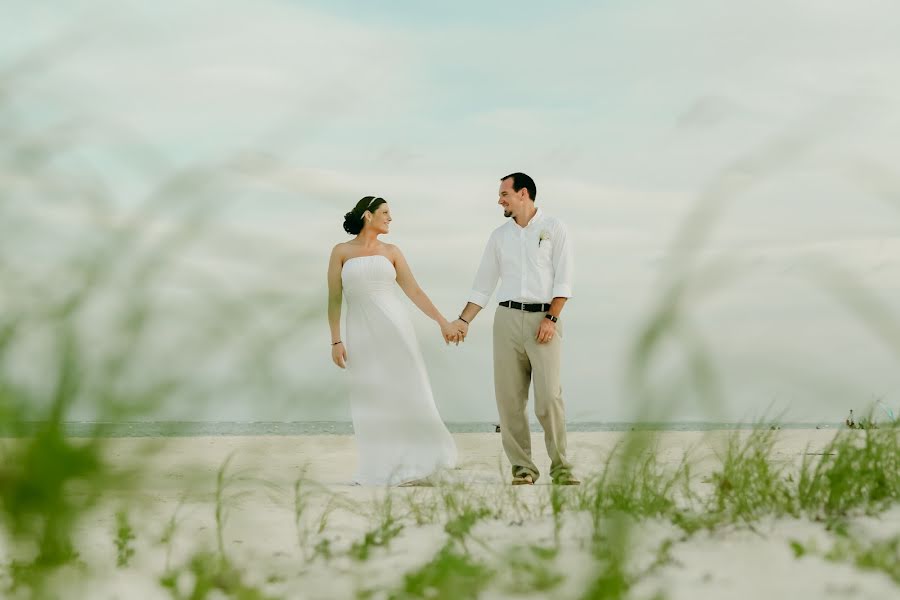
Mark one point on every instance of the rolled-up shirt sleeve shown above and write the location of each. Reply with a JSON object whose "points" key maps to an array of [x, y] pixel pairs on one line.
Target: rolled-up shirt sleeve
{"points": [[488, 273], [563, 263]]}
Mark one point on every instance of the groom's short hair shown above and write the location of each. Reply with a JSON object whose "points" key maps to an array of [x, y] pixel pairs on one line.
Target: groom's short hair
{"points": [[521, 180]]}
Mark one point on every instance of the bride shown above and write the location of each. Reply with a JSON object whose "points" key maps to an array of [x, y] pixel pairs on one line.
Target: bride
{"points": [[400, 437]]}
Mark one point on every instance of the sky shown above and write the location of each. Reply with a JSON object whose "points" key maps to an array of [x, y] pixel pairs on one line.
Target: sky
{"points": [[770, 123]]}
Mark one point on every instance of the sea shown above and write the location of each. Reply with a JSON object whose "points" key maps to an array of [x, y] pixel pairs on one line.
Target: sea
{"points": [[267, 428]]}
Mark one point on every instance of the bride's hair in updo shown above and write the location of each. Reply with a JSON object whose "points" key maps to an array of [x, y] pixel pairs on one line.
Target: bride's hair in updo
{"points": [[353, 220]]}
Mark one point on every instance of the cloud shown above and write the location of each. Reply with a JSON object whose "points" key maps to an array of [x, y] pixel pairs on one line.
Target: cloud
{"points": [[204, 75], [624, 113], [709, 111]]}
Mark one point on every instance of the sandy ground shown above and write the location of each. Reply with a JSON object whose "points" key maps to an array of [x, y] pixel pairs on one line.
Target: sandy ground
{"points": [[178, 478]]}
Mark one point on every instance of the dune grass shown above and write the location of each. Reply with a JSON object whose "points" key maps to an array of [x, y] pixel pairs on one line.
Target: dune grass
{"points": [[749, 485]]}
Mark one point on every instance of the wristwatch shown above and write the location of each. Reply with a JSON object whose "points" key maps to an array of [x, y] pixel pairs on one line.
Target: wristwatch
{"points": [[551, 317]]}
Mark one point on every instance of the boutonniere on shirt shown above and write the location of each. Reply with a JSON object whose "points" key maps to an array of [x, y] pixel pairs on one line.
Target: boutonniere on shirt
{"points": [[545, 235]]}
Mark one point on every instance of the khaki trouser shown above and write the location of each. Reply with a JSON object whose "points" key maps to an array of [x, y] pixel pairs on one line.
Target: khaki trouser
{"points": [[518, 361]]}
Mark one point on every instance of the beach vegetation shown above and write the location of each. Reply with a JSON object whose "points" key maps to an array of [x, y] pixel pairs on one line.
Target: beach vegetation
{"points": [[124, 539]]}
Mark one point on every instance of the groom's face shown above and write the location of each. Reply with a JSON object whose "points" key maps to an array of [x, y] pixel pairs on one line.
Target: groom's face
{"points": [[511, 200]]}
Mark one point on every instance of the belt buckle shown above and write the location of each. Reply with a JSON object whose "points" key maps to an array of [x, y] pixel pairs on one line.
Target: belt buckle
{"points": [[521, 307]]}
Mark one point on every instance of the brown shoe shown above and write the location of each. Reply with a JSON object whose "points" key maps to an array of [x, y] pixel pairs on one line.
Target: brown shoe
{"points": [[566, 479], [523, 479]]}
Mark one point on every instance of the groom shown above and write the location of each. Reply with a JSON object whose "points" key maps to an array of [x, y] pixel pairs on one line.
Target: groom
{"points": [[532, 258]]}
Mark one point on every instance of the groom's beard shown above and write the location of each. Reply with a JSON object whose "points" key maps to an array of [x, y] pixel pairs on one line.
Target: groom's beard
{"points": [[507, 214]]}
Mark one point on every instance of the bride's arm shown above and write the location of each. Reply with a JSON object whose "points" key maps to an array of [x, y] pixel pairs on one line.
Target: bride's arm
{"points": [[335, 295], [411, 288]]}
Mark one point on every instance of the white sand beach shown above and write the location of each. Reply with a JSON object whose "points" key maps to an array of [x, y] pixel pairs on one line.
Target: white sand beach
{"points": [[276, 552]]}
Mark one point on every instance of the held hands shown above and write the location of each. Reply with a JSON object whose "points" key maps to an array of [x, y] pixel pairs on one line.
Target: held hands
{"points": [[339, 355], [454, 332]]}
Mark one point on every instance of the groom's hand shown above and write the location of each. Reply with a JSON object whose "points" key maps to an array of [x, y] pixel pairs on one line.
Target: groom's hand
{"points": [[451, 333], [462, 327], [546, 332]]}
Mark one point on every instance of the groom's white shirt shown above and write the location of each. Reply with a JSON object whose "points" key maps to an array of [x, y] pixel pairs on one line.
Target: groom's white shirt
{"points": [[534, 263]]}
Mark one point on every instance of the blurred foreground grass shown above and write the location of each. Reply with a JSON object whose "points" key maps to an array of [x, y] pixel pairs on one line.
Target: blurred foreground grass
{"points": [[111, 311]]}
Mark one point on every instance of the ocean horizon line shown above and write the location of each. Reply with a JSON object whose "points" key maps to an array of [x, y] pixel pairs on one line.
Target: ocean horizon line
{"points": [[287, 428]]}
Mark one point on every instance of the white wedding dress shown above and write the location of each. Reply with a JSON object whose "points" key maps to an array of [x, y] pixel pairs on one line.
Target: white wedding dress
{"points": [[399, 434]]}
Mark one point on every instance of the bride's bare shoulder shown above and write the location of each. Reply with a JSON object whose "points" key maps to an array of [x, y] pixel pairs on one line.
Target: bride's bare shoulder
{"points": [[342, 251], [392, 251]]}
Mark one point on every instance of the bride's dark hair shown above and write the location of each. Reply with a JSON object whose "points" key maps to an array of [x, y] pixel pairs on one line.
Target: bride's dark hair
{"points": [[353, 220]]}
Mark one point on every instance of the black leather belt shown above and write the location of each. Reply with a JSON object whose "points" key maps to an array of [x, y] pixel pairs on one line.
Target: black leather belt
{"points": [[526, 307]]}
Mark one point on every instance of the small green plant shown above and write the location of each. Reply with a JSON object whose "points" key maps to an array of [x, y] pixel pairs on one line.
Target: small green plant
{"points": [[531, 569], [226, 497], [36, 474], [610, 583], [381, 535], [882, 555], [799, 548], [306, 524], [168, 534], [322, 550], [663, 555], [124, 538], [210, 575], [325, 515], [422, 506], [856, 469], [450, 575], [614, 582], [749, 484], [301, 526], [460, 526], [558, 501], [633, 483]]}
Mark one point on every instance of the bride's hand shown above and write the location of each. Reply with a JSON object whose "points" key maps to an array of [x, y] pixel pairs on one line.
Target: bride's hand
{"points": [[339, 355], [451, 333]]}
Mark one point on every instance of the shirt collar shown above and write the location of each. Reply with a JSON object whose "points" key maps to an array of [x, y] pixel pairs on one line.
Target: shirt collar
{"points": [[537, 217]]}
